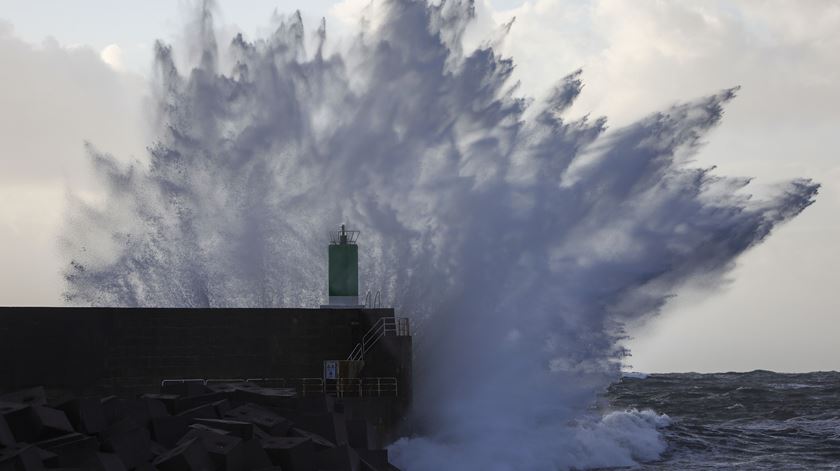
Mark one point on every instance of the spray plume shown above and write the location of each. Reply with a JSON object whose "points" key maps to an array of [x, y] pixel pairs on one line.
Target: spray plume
{"points": [[519, 242]]}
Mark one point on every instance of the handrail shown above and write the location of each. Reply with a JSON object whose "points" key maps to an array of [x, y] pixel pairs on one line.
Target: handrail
{"points": [[274, 381], [379, 386], [344, 387], [182, 381], [308, 385], [356, 354], [373, 301], [341, 387], [396, 326]]}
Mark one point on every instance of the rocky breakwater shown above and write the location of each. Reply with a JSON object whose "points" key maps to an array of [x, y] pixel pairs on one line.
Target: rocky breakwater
{"points": [[187, 426]]}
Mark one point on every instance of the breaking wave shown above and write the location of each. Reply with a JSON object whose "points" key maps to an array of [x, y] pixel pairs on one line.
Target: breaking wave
{"points": [[519, 241]]}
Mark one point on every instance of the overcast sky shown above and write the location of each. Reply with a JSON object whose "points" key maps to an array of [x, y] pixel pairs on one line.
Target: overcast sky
{"points": [[76, 71]]}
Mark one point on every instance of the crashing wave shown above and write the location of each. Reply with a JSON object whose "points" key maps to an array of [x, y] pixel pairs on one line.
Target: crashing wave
{"points": [[520, 243]]}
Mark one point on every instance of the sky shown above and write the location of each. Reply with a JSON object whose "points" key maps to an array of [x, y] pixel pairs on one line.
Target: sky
{"points": [[78, 71]]}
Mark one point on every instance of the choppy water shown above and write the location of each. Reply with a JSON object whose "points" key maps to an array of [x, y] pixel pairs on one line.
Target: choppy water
{"points": [[756, 420]]}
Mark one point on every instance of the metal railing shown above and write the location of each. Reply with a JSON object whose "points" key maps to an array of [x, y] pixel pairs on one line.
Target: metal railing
{"points": [[269, 382], [373, 301], [378, 387], [351, 387], [396, 326], [305, 386], [342, 387], [187, 380], [224, 380], [343, 236]]}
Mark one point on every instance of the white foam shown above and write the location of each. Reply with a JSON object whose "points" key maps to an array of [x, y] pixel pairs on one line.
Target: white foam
{"points": [[624, 438]]}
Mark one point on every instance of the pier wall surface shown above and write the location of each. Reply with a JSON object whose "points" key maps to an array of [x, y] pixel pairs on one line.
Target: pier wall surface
{"points": [[130, 350]]}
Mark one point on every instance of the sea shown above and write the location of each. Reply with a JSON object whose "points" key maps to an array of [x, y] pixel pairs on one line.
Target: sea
{"points": [[758, 420]]}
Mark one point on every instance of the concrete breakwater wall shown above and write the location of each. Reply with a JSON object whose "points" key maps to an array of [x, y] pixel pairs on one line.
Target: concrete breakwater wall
{"points": [[129, 351]]}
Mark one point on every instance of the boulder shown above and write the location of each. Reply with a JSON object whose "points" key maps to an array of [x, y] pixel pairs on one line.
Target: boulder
{"points": [[268, 421], [188, 456], [290, 453]]}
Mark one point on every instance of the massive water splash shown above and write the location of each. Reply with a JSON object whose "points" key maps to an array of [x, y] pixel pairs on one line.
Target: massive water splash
{"points": [[519, 242]]}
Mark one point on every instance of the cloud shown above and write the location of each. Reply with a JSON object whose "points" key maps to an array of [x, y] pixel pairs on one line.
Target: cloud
{"points": [[640, 56], [53, 98], [112, 55], [349, 12]]}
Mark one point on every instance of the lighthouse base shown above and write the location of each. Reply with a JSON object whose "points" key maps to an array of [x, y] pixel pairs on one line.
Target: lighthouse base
{"points": [[343, 302]]}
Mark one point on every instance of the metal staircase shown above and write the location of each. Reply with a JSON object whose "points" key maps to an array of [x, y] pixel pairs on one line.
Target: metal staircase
{"points": [[393, 326]]}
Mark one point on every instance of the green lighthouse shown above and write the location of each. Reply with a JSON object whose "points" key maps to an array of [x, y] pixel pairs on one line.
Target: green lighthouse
{"points": [[343, 268]]}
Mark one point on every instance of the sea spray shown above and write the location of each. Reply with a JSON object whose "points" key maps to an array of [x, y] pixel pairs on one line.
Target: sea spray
{"points": [[519, 241]]}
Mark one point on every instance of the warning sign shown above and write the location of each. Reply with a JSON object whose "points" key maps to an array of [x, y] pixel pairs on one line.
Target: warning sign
{"points": [[331, 369]]}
